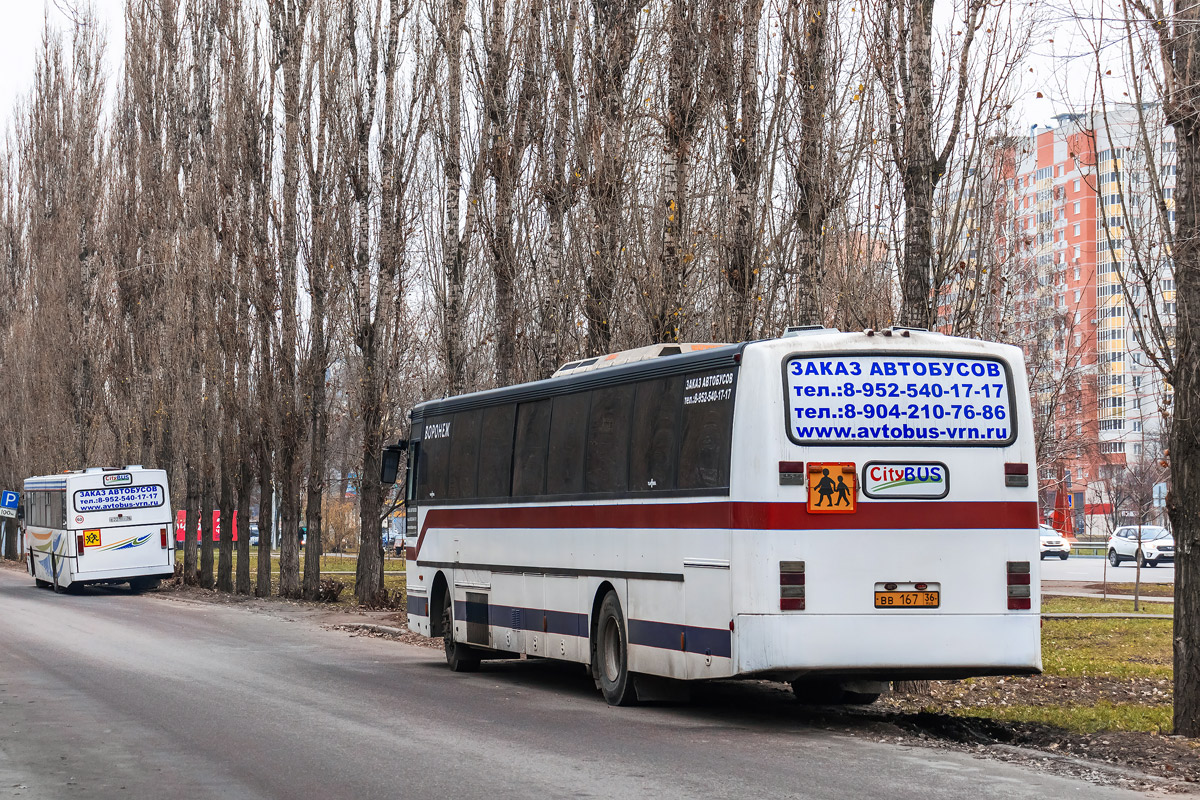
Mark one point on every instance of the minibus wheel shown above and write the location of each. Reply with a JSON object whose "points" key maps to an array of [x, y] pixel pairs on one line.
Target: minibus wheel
{"points": [[41, 584], [611, 654], [459, 656]]}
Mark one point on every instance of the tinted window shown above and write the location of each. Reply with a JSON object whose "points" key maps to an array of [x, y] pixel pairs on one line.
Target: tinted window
{"points": [[495, 451], [607, 467], [655, 442], [529, 450], [434, 459], [464, 454], [568, 435], [707, 430]]}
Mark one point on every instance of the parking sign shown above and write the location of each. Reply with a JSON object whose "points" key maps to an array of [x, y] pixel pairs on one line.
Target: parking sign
{"points": [[8, 504]]}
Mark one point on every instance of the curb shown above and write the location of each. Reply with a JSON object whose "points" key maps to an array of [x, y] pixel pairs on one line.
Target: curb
{"points": [[371, 626]]}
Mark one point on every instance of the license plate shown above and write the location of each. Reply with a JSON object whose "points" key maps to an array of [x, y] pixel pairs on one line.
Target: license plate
{"points": [[907, 599]]}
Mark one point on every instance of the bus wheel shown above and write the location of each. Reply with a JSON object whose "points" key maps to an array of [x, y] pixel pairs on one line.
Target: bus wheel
{"points": [[611, 654], [458, 655], [41, 584], [138, 585]]}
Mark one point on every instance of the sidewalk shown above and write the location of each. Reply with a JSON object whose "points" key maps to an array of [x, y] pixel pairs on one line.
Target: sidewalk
{"points": [[1081, 589]]}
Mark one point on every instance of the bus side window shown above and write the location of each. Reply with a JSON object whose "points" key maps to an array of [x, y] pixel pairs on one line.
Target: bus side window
{"points": [[707, 433], [607, 468], [568, 436], [434, 462], [464, 455], [529, 451], [496, 451], [410, 479], [654, 447]]}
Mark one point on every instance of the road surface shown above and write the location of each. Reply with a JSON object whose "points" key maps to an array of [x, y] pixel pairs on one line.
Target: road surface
{"points": [[1078, 568], [111, 695]]}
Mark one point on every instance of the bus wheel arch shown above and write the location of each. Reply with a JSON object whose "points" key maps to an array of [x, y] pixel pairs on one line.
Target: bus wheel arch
{"points": [[459, 657], [610, 648]]}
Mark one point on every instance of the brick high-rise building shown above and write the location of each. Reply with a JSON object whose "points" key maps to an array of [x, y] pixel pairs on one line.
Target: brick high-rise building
{"points": [[1079, 207]]}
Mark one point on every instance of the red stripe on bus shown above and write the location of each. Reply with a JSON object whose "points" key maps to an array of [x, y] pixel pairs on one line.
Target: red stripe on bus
{"points": [[980, 515]]}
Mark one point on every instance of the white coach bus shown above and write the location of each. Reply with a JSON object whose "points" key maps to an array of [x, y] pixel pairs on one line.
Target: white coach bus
{"points": [[835, 510], [99, 525]]}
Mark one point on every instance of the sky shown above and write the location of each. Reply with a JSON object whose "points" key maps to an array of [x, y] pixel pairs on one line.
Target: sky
{"points": [[21, 23]]}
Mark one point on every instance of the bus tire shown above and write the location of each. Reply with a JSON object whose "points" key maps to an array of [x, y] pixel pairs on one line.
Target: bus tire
{"points": [[459, 656], [41, 584], [611, 654], [139, 585]]}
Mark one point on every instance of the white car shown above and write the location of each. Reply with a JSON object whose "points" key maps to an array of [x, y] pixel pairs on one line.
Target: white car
{"points": [[1053, 544], [1157, 545]]}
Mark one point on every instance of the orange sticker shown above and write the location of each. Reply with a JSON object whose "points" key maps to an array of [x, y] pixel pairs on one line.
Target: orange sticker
{"points": [[832, 488], [91, 538]]}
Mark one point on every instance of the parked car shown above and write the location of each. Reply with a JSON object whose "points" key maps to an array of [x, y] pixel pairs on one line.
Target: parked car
{"points": [[253, 535], [1157, 545], [1053, 544]]}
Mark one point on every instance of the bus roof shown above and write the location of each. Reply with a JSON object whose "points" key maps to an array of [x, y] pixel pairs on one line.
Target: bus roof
{"points": [[580, 376]]}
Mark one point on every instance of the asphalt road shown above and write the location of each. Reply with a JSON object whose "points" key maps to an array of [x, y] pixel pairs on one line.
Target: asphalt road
{"points": [[1092, 570], [110, 695]]}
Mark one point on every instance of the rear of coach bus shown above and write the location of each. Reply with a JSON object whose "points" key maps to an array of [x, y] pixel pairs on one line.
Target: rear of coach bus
{"points": [[888, 493], [122, 524]]}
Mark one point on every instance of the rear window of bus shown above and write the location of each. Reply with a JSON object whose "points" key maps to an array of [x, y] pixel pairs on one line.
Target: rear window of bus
{"points": [[120, 498], [899, 399]]}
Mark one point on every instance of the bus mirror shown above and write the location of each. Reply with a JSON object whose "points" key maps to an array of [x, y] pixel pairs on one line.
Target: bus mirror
{"points": [[390, 465]]}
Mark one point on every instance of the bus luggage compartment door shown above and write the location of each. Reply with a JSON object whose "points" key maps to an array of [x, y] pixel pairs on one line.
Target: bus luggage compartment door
{"points": [[707, 640]]}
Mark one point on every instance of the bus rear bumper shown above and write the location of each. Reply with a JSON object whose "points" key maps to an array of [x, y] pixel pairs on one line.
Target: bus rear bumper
{"points": [[887, 646]]}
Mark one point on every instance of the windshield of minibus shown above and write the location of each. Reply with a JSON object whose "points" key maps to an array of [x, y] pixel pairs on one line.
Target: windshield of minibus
{"points": [[899, 399]]}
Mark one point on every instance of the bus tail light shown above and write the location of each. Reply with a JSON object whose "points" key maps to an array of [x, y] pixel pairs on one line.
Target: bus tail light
{"points": [[791, 585], [79, 544], [1019, 598], [162, 537], [1016, 474]]}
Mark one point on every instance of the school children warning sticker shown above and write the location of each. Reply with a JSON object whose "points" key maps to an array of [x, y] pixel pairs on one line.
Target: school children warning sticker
{"points": [[832, 488], [91, 538]]}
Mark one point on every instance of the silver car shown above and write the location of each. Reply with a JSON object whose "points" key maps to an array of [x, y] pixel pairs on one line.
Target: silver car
{"points": [[1149, 545]]}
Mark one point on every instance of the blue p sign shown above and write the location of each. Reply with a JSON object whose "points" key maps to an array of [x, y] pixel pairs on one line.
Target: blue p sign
{"points": [[8, 499]]}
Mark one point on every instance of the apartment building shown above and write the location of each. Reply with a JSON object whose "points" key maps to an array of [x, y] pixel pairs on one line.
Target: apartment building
{"points": [[1082, 209]]}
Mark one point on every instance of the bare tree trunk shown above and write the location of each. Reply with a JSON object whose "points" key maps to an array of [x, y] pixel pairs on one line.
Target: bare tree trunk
{"points": [[1181, 54], [614, 37], [207, 490], [191, 574], [225, 554], [266, 525], [288, 23], [812, 203], [738, 84], [454, 243], [245, 486]]}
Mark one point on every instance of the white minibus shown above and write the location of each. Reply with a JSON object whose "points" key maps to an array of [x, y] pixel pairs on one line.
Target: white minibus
{"points": [[834, 510], [99, 525]]}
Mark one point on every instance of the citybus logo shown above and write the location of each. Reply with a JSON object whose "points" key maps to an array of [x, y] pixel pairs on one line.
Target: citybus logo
{"points": [[928, 480], [119, 479]]}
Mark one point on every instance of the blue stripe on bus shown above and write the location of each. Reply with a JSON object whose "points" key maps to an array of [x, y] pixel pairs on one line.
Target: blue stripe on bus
{"points": [[670, 635], [42, 485], [663, 635]]}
